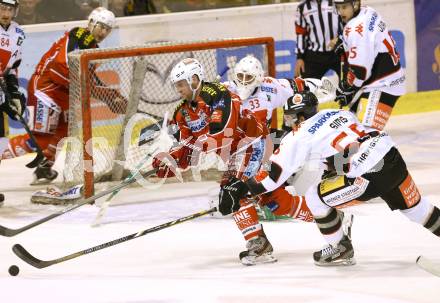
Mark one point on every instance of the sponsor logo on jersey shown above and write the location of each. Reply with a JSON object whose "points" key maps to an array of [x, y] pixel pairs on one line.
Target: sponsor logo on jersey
{"points": [[372, 22], [39, 117], [268, 89], [19, 31], [198, 124], [217, 116], [321, 121], [209, 90], [339, 121], [219, 104]]}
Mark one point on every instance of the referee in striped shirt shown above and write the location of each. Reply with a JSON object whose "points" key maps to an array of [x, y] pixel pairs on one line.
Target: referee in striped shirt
{"points": [[317, 26]]}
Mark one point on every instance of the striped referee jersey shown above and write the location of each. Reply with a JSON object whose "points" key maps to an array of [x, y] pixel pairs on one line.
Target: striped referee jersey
{"points": [[316, 23]]}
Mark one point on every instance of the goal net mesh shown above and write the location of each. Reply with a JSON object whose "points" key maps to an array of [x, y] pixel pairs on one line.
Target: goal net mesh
{"points": [[117, 92]]}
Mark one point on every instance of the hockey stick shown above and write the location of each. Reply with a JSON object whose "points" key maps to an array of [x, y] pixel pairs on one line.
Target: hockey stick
{"points": [[131, 176], [428, 265], [40, 156], [23, 254], [9, 232]]}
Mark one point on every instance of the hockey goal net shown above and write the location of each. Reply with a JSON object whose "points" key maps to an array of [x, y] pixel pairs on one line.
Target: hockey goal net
{"points": [[116, 92]]}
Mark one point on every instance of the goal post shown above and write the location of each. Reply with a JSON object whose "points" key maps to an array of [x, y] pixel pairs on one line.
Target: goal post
{"points": [[115, 88]]}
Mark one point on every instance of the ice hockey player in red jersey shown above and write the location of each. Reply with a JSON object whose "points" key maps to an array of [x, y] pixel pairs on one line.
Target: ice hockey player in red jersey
{"points": [[213, 119], [48, 90], [12, 38], [373, 77], [366, 164]]}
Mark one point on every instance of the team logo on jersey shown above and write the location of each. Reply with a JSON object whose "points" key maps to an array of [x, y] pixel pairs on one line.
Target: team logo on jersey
{"points": [[297, 99]]}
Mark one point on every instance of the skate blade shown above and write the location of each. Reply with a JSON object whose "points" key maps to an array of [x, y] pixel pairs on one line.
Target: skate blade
{"points": [[254, 260], [342, 262], [42, 181]]}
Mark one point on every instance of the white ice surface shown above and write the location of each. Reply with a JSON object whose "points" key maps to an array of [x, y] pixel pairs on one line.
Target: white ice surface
{"points": [[197, 261]]}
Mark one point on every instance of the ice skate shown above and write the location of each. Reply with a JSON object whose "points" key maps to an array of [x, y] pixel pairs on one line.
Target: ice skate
{"points": [[259, 251], [347, 222], [44, 174], [341, 254]]}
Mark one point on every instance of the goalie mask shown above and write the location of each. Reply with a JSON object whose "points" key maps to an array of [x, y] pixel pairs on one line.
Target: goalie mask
{"points": [[248, 75], [303, 104], [103, 16], [185, 70]]}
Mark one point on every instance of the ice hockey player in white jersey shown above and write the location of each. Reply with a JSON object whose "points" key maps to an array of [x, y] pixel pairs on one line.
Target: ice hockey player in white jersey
{"points": [[11, 40], [373, 79], [366, 165]]}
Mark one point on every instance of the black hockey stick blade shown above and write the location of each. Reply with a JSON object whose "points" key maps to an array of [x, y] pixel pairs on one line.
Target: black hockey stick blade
{"points": [[9, 232], [37, 160], [23, 254]]}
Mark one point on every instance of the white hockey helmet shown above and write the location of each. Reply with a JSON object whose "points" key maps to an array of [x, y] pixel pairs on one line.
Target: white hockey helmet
{"points": [[102, 15], [13, 3], [248, 75], [185, 70], [355, 3]]}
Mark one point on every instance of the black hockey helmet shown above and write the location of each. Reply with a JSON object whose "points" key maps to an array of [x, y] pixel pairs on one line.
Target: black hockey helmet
{"points": [[302, 104]]}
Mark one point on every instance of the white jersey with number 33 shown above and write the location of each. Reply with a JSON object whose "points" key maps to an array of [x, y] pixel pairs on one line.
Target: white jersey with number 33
{"points": [[271, 94], [326, 134]]}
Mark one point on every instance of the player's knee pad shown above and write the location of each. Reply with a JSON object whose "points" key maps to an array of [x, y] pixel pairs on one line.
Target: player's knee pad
{"points": [[420, 212], [315, 204], [247, 221], [46, 115], [280, 202]]}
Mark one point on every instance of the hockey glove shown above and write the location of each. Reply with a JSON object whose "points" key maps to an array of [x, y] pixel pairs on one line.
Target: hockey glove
{"points": [[17, 104], [345, 93], [167, 163], [230, 196]]}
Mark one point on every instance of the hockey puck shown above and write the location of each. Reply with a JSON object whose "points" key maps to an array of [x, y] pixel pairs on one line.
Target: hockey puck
{"points": [[13, 270]]}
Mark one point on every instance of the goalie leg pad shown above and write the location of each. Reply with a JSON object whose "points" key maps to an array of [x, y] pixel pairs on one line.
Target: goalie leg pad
{"points": [[55, 196]]}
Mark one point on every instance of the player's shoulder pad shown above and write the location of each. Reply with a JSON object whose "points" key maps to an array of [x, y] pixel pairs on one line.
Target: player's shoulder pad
{"points": [[178, 108], [313, 124], [18, 29], [80, 37], [214, 92]]}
